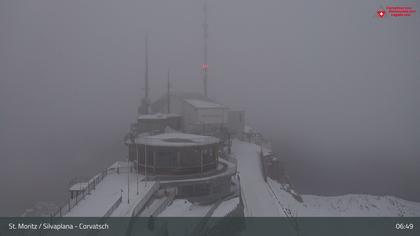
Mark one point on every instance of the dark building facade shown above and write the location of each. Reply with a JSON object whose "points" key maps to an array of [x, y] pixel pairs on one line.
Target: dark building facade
{"points": [[187, 162], [175, 154], [156, 123]]}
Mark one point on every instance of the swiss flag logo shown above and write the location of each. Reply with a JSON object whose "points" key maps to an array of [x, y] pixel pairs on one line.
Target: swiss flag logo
{"points": [[381, 13]]}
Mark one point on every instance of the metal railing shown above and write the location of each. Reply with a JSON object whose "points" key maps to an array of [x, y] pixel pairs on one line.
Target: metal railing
{"points": [[169, 199], [146, 197], [92, 184], [113, 207]]}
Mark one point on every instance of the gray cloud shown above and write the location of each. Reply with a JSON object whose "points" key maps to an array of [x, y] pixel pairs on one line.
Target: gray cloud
{"points": [[335, 88]]}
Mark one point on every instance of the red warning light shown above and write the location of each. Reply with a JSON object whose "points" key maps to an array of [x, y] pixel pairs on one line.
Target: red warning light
{"points": [[381, 13], [205, 66]]}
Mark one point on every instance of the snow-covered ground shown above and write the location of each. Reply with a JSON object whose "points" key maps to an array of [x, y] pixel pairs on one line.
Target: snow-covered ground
{"points": [[272, 199], [345, 205], [100, 200], [184, 208], [226, 207], [258, 199], [41, 209]]}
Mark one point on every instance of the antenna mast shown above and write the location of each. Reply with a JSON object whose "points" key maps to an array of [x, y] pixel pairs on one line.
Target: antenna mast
{"points": [[145, 102], [169, 91], [205, 65], [146, 78]]}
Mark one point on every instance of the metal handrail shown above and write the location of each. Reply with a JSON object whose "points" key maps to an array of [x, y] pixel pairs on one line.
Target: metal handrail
{"points": [[92, 183]]}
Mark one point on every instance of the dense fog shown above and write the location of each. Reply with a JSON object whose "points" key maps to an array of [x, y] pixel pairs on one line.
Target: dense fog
{"points": [[335, 88]]}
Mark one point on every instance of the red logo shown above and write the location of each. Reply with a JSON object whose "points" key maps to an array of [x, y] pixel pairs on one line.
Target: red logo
{"points": [[381, 13]]}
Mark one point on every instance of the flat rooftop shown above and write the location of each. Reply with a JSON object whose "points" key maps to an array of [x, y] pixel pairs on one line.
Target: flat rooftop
{"points": [[176, 140], [157, 116], [198, 103]]}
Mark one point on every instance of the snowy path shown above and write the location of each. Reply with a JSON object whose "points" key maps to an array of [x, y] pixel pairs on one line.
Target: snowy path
{"points": [[258, 199]]}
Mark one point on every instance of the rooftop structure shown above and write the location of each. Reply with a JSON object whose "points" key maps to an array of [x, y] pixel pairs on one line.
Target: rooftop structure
{"points": [[177, 140], [188, 162], [175, 153], [116, 191], [199, 113], [203, 104], [156, 116], [157, 123]]}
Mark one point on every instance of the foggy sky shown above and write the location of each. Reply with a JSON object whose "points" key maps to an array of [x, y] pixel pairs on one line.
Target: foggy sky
{"points": [[336, 89]]}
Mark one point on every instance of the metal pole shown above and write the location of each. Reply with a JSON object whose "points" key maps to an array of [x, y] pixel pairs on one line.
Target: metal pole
{"points": [[201, 154], [205, 66], [169, 92], [137, 152], [145, 164], [128, 182], [146, 77]]}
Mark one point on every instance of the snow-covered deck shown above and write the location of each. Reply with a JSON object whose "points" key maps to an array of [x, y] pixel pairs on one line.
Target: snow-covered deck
{"points": [[79, 186], [258, 198], [108, 192], [184, 208], [226, 207]]}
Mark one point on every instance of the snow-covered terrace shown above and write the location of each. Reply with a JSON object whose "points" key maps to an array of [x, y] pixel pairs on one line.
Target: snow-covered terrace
{"points": [[79, 186], [184, 208], [226, 207], [258, 199], [110, 197]]}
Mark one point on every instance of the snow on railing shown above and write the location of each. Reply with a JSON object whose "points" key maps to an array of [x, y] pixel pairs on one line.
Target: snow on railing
{"points": [[92, 183], [235, 208], [140, 205], [233, 211], [72, 202], [291, 217], [208, 221], [247, 211], [255, 137], [113, 207], [169, 199]]}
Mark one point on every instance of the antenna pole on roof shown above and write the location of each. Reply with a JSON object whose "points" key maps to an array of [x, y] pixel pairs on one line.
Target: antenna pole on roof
{"points": [[169, 91], [205, 65], [145, 102], [146, 78]]}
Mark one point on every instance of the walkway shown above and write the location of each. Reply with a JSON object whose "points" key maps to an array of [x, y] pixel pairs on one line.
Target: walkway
{"points": [[257, 197]]}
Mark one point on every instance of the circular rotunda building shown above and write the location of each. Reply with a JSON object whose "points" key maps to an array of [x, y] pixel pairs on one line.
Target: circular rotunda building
{"points": [[187, 162], [175, 154]]}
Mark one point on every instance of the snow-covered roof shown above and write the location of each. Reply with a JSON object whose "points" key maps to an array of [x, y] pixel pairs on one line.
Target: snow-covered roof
{"points": [[198, 103], [249, 129], [156, 116], [78, 186], [121, 164], [176, 140]]}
